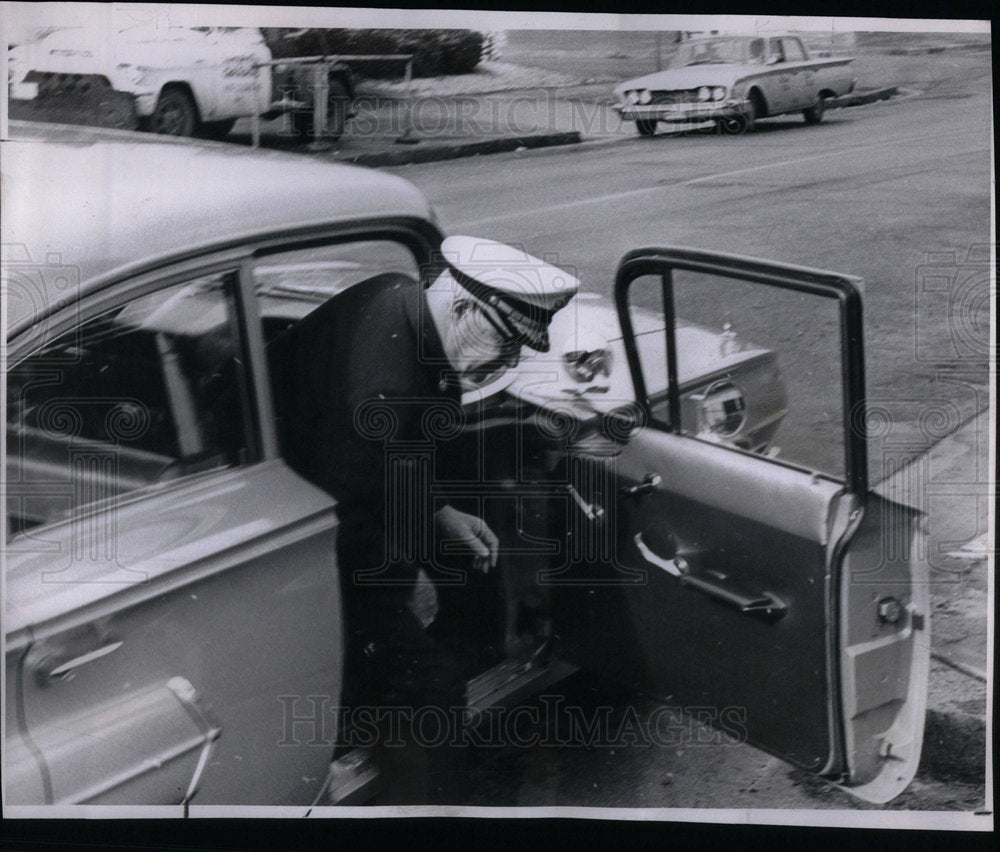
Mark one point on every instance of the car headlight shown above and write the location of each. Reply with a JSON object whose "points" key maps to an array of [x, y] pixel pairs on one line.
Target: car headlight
{"points": [[644, 96], [718, 93], [704, 93], [722, 409], [631, 97]]}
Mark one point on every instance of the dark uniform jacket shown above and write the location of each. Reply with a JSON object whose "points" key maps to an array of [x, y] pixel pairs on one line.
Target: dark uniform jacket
{"points": [[369, 410]]}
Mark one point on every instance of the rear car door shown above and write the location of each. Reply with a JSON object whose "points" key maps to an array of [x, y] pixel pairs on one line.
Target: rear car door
{"points": [[172, 607], [762, 588], [801, 91], [777, 83]]}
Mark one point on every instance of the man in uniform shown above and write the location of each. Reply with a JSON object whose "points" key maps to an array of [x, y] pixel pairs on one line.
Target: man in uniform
{"points": [[370, 389]]}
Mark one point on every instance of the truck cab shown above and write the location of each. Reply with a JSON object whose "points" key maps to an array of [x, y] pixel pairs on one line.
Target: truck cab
{"points": [[183, 81]]}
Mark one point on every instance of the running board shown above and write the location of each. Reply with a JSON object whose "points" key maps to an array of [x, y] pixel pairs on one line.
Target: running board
{"points": [[509, 682], [353, 778]]}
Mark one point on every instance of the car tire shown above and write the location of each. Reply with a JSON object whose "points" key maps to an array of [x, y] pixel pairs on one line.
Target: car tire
{"points": [[740, 123], [216, 129], [337, 106], [645, 126], [175, 114], [814, 115]]}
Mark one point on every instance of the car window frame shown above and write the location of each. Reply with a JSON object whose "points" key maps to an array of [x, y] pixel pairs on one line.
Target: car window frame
{"points": [[410, 231], [135, 281], [797, 47], [843, 289], [124, 289]]}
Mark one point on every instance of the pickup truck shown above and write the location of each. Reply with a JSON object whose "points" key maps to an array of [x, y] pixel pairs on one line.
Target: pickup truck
{"points": [[733, 81], [182, 81]]}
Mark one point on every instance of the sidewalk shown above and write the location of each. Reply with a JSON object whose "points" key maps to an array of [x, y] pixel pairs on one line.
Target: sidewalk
{"points": [[387, 131], [392, 131], [953, 485]]}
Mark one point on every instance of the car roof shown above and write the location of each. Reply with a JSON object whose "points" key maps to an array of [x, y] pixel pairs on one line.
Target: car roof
{"points": [[82, 205]]}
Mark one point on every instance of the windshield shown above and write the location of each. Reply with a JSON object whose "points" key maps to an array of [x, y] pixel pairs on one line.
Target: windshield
{"points": [[718, 50]]}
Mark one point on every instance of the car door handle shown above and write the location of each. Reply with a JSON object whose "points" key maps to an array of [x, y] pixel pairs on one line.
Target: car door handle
{"points": [[62, 665]]}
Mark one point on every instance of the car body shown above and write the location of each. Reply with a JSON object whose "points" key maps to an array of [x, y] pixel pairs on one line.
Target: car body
{"points": [[173, 625], [733, 80], [182, 81]]}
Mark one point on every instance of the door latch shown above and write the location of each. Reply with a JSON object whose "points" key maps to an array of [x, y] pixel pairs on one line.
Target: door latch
{"points": [[647, 486]]}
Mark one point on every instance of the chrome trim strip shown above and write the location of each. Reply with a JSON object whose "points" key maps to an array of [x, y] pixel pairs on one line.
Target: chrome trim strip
{"points": [[147, 765]]}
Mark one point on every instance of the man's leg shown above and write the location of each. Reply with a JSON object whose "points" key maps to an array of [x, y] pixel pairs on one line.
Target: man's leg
{"points": [[418, 689]]}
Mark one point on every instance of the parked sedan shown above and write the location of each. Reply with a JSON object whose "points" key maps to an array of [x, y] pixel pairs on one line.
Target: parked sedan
{"points": [[733, 81], [172, 612]]}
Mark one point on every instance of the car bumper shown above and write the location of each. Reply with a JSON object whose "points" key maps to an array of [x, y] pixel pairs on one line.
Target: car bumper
{"points": [[682, 113]]}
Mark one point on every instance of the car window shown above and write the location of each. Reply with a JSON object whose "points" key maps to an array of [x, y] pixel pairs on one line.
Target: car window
{"points": [[291, 285], [793, 50], [775, 53], [147, 392], [759, 368]]}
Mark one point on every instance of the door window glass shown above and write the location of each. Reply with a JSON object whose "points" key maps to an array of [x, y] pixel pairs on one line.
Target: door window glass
{"points": [[291, 285], [148, 392], [758, 367], [793, 50]]}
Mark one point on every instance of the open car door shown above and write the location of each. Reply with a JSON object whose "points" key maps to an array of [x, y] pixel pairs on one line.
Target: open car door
{"points": [[767, 586]]}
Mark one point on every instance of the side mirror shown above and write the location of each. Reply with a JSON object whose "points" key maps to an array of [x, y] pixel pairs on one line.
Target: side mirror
{"points": [[772, 60]]}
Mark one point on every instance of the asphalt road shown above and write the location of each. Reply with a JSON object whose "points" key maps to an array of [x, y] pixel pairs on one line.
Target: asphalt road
{"points": [[897, 193]]}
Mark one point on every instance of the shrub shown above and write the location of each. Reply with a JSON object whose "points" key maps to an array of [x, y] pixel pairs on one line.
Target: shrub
{"points": [[435, 52]]}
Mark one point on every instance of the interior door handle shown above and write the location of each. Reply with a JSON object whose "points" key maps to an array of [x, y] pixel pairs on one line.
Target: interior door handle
{"points": [[675, 566], [720, 587], [725, 590]]}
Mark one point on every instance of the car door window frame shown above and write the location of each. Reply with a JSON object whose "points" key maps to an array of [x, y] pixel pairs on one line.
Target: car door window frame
{"points": [[119, 290], [844, 290], [797, 54], [416, 234]]}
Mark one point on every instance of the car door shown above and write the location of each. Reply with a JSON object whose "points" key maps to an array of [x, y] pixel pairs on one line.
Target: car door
{"points": [[801, 91], [770, 593], [777, 81], [172, 608]]}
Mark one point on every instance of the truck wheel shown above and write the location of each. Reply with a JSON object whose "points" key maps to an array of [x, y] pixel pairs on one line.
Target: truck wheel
{"points": [[645, 126], [814, 115], [216, 129], [175, 114], [337, 106]]}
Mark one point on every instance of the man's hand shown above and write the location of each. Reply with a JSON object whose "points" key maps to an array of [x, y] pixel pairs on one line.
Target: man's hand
{"points": [[453, 525]]}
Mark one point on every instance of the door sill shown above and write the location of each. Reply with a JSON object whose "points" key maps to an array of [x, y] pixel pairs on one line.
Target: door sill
{"points": [[353, 777]]}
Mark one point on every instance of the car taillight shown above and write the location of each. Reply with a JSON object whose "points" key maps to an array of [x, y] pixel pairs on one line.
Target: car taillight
{"points": [[722, 409]]}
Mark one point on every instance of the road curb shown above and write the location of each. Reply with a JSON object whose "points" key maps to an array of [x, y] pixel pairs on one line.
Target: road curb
{"points": [[416, 154]]}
